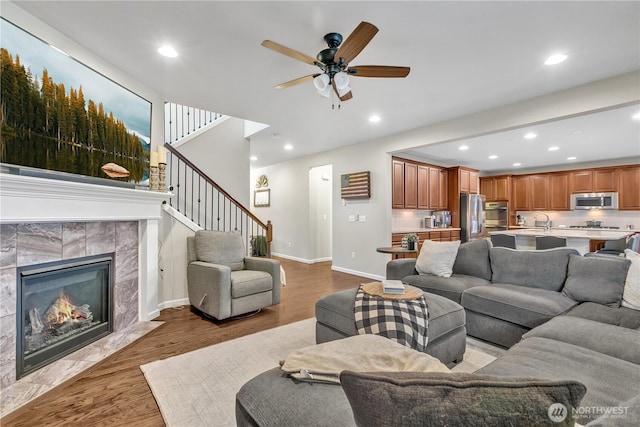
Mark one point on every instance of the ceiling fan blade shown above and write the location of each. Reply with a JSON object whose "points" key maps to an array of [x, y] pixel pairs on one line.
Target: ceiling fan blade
{"points": [[288, 52], [378, 71], [296, 81], [357, 40], [347, 96]]}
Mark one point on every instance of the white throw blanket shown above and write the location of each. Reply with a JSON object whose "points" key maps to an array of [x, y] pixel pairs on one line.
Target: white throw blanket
{"points": [[360, 353]]}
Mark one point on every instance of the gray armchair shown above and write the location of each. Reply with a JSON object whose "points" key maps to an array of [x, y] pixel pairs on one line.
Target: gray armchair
{"points": [[223, 282]]}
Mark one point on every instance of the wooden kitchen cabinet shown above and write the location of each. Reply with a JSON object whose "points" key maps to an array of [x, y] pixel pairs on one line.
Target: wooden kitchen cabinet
{"points": [[410, 185], [434, 188], [582, 181], [474, 182], [538, 185], [443, 195], [599, 180], [629, 188], [423, 187], [397, 177], [520, 195], [559, 197], [496, 188], [605, 180]]}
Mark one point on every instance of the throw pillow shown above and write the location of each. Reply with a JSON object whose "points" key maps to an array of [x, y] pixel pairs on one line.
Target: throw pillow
{"points": [[437, 258], [631, 294], [459, 399], [596, 279]]}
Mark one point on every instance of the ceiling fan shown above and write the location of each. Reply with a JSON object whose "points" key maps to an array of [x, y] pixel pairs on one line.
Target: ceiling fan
{"points": [[334, 62]]}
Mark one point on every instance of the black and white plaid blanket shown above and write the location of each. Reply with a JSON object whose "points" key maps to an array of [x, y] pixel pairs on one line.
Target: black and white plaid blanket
{"points": [[405, 321]]}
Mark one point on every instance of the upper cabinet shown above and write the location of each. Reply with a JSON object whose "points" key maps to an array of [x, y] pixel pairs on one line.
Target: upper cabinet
{"points": [[629, 188], [594, 180], [418, 185], [464, 179], [521, 193], [397, 175], [559, 197], [539, 185], [496, 188]]}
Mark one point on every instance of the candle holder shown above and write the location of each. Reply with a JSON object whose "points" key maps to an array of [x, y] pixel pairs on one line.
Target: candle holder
{"points": [[153, 178], [162, 167]]}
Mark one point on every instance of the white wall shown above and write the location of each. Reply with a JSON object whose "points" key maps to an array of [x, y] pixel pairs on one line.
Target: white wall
{"points": [[289, 192], [222, 153]]}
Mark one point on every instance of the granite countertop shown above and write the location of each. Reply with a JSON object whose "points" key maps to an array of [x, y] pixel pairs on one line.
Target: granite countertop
{"points": [[422, 230], [578, 233]]}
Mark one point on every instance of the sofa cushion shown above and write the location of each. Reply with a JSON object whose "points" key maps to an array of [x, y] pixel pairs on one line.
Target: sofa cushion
{"points": [[621, 316], [535, 269], [437, 258], [631, 294], [521, 305], [413, 399], [622, 343], [220, 247], [473, 259], [609, 380], [449, 287], [596, 279]]}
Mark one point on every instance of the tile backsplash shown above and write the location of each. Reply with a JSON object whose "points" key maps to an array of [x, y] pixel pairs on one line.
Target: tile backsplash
{"points": [[608, 218]]}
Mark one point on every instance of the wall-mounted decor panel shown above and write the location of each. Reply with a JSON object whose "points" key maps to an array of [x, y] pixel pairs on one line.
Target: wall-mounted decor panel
{"points": [[355, 185], [60, 115]]}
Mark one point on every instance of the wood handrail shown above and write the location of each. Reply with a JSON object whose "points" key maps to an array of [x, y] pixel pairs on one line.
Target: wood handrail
{"points": [[179, 155]]}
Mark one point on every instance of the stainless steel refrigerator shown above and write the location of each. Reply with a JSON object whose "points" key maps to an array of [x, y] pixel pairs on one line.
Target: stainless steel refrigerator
{"points": [[472, 217]]}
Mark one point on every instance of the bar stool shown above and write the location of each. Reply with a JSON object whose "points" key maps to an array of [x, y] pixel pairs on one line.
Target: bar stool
{"points": [[503, 240], [549, 242]]}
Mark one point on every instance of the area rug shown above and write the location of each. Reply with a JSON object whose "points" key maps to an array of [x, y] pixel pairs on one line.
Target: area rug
{"points": [[198, 388]]}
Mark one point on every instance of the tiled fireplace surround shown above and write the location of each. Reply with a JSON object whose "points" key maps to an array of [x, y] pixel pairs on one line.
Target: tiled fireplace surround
{"points": [[45, 220]]}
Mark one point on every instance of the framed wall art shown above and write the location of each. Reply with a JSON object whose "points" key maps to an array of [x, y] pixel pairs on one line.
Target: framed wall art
{"points": [[261, 198], [58, 114]]}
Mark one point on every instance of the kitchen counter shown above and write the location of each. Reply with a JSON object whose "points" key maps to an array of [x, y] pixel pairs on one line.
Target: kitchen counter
{"points": [[421, 230], [579, 233], [578, 238]]}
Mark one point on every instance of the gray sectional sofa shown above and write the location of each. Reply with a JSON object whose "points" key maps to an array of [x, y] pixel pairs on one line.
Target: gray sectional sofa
{"points": [[558, 312], [507, 292]]}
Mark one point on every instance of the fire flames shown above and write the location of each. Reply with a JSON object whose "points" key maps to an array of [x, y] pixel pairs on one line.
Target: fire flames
{"points": [[61, 311]]}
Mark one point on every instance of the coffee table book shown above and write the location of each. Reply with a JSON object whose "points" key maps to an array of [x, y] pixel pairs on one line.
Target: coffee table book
{"points": [[392, 287]]}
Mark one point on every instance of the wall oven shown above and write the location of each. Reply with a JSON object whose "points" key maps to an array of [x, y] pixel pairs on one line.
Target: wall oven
{"points": [[496, 216]]}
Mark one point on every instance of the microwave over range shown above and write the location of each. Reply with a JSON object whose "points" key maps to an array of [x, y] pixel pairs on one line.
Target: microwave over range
{"points": [[594, 201]]}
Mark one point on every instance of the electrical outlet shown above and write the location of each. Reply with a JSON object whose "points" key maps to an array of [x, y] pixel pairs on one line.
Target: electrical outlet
{"points": [[352, 218], [362, 218], [290, 244], [353, 255]]}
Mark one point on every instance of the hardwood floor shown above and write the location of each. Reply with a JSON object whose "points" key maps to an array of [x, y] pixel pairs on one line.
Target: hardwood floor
{"points": [[114, 391]]}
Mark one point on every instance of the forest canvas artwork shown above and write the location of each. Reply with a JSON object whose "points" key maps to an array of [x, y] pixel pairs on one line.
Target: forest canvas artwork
{"points": [[58, 114]]}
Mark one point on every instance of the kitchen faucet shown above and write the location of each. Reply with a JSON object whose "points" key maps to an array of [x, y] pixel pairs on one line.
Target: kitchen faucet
{"points": [[547, 227]]}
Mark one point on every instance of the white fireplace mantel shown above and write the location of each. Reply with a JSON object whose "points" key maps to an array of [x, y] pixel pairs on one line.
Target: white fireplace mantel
{"points": [[27, 199], [33, 199]]}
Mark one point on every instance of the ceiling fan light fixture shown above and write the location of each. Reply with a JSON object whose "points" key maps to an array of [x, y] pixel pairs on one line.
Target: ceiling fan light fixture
{"points": [[342, 91], [342, 80], [326, 92], [321, 82]]}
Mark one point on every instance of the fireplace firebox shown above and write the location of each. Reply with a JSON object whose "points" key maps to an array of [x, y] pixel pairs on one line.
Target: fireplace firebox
{"points": [[62, 307]]}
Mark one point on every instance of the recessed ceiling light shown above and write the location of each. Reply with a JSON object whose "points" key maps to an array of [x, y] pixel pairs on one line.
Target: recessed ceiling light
{"points": [[288, 147], [493, 157], [167, 51], [374, 119], [253, 158], [517, 164], [571, 158], [636, 116], [463, 147], [555, 59], [530, 135], [553, 148]]}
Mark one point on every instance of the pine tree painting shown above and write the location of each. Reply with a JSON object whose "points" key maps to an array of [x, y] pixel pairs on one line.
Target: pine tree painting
{"points": [[47, 124]]}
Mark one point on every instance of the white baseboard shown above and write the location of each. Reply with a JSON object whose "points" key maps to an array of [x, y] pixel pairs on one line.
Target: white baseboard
{"points": [[357, 273], [302, 260], [174, 303]]}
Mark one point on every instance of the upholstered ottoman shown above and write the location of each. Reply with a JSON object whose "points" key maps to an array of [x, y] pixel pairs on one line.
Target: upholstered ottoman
{"points": [[335, 319]]}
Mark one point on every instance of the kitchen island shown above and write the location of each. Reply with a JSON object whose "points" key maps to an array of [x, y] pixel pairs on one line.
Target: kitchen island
{"points": [[579, 238]]}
